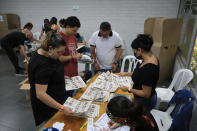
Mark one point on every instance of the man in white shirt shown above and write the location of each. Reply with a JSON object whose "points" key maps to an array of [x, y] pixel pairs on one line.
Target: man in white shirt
{"points": [[105, 48]]}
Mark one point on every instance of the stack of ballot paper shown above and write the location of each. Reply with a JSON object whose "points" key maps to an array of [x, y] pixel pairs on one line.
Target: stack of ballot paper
{"points": [[95, 95], [82, 108], [110, 82], [86, 58], [75, 82]]}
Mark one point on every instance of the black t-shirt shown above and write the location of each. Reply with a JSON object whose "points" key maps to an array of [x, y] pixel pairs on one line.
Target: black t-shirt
{"points": [[147, 75], [46, 71], [13, 39]]}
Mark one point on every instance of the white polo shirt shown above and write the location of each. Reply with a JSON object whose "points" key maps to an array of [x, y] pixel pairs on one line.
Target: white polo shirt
{"points": [[105, 48]]}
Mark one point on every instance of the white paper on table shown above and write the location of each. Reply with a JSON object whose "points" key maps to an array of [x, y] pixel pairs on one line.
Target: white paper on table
{"points": [[74, 83], [102, 122], [90, 125], [59, 126]]}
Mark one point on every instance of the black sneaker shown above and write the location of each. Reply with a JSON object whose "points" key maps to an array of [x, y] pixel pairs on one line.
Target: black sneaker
{"points": [[20, 73]]}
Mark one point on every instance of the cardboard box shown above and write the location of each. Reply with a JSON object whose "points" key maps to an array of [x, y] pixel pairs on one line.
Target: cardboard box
{"points": [[25, 86], [9, 21], [166, 35]]}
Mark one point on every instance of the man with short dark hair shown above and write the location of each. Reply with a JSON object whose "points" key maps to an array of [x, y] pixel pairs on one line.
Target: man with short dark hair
{"points": [[105, 48]]}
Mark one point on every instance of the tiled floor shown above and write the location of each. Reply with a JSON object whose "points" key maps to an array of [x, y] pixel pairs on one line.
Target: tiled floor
{"points": [[15, 110]]}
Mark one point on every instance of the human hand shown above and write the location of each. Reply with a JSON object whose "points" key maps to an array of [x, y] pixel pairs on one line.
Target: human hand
{"points": [[113, 125], [122, 73], [68, 111], [76, 56], [97, 67], [66, 77], [124, 88], [114, 67]]}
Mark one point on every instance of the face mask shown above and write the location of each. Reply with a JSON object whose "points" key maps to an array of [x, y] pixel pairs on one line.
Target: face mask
{"points": [[138, 57]]}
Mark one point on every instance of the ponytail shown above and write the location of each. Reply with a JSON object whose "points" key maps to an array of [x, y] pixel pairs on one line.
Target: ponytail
{"points": [[52, 39]]}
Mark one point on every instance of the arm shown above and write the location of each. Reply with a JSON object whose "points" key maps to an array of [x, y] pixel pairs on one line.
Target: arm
{"points": [[125, 74], [48, 100], [92, 52], [22, 51], [116, 58], [68, 58], [145, 92], [118, 54], [93, 55], [65, 58]]}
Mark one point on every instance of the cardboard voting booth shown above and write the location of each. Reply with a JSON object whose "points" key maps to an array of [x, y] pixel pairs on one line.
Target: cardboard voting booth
{"points": [[166, 35]]}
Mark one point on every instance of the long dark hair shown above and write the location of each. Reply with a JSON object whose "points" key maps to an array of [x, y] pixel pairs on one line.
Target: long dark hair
{"points": [[124, 111]]}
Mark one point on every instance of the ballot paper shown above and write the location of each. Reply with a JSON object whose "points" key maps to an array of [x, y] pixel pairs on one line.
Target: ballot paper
{"points": [[95, 95], [82, 108], [86, 58], [102, 122], [74, 83], [59, 126], [110, 82]]}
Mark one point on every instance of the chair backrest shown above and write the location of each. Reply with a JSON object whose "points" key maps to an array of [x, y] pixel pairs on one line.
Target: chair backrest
{"points": [[133, 61], [181, 110], [181, 78]]}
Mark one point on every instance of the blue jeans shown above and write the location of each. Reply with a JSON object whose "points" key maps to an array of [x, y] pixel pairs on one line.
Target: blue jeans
{"points": [[148, 102]]}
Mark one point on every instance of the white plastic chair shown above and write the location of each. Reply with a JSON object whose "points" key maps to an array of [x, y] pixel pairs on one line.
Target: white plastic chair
{"points": [[133, 61], [181, 78], [178, 114], [163, 119]]}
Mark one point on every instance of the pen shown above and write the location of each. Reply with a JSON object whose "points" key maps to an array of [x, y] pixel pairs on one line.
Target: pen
{"points": [[84, 125]]}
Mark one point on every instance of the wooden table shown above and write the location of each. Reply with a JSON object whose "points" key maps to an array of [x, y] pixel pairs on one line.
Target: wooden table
{"points": [[75, 123]]}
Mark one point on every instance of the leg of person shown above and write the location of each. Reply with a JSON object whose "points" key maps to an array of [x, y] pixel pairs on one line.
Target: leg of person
{"points": [[14, 59]]}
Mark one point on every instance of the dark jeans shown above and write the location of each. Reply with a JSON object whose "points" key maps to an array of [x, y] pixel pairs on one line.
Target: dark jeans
{"points": [[148, 102], [11, 55]]}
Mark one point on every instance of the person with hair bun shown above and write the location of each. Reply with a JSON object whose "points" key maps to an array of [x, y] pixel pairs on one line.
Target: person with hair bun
{"points": [[61, 23], [46, 78], [123, 111], [145, 75], [70, 57]]}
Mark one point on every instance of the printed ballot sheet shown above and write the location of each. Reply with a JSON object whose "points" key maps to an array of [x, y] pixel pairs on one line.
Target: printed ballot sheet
{"points": [[102, 122], [110, 82], [82, 108], [95, 95], [75, 82]]}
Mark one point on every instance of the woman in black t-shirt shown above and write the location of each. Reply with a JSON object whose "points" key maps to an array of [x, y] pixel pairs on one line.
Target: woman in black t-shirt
{"points": [[145, 75], [123, 111], [46, 77]]}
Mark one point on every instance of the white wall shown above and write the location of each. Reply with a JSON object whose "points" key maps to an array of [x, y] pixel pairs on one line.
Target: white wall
{"points": [[126, 16]]}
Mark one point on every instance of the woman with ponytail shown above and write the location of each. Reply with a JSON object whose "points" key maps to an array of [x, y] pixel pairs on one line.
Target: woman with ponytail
{"points": [[70, 57], [123, 111], [46, 78], [146, 74]]}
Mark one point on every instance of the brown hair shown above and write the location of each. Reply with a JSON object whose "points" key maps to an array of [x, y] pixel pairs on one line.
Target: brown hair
{"points": [[52, 39]]}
